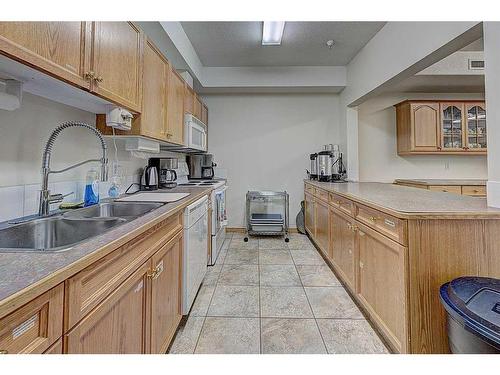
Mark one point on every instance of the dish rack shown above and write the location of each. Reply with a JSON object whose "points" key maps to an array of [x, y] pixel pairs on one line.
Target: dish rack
{"points": [[267, 214]]}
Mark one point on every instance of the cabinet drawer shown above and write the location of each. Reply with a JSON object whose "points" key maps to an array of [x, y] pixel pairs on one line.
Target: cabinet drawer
{"points": [[321, 194], [388, 225], [447, 189], [35, 326], [90, 286], [310, 189], [343, 204], [477, 191]]}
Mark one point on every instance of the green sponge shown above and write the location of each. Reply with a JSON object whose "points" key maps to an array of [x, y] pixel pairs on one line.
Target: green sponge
{"points": [[70, 205]]}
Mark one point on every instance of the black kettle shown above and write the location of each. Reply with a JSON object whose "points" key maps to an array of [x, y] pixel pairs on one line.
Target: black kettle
{"points": [[149, 179]]}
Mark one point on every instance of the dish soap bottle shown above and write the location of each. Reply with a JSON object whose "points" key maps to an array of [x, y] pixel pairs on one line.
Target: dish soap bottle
{"points": [[91, 188]]}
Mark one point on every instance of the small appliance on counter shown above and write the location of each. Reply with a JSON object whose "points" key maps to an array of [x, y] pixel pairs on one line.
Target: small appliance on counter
{"points": [[201, 166], [149, 179], [327, 165], [167, 173]]}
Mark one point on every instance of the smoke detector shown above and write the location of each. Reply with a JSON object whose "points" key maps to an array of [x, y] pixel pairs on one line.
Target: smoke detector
{"points": [[330, 43]]}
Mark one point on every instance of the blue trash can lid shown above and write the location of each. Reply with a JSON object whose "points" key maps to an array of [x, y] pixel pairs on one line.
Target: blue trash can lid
{"points": [[476, 301]]}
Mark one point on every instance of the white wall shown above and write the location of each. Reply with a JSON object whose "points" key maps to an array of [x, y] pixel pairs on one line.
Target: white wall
{"points": [[378, 158], [264, 141]]}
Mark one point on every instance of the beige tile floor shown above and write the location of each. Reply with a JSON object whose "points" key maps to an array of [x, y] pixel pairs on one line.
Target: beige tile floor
{"points": [[267, 296]]}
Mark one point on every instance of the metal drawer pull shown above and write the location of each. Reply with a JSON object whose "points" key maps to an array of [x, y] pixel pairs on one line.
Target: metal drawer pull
{"points": [[361, 264], [390, 223], [4, 352], [373, 218]]}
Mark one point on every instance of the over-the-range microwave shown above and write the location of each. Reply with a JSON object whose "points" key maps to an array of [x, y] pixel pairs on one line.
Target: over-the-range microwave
{"points": [[195, 136]]}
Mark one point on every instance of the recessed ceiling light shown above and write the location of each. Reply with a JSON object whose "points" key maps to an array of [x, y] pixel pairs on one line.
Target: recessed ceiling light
{"points": [[272, 32], [330, 43]]}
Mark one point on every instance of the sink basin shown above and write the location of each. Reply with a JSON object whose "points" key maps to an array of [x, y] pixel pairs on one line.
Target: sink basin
{"points": [[114, 209], [53, 233]]}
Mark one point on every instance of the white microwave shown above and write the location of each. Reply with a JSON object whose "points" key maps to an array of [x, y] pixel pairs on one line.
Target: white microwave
{"points": [[195, 133]]}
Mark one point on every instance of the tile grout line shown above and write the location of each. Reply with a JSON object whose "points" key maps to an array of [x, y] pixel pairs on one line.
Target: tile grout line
{"points": [[312, 311]]}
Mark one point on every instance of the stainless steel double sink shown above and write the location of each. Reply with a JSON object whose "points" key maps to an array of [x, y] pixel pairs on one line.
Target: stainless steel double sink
{"points": [[62, 231]]}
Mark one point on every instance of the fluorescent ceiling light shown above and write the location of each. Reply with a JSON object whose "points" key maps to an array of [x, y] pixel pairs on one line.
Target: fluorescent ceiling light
{"points": [[272, 32]]}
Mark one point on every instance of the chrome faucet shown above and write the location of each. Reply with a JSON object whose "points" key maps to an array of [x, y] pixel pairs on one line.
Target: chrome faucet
{"points": [[45, 197]]}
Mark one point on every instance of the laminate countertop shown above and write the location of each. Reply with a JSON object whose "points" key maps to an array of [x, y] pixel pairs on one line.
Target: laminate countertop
{"points": [[409, 202], [443, 182], [21, 273]]}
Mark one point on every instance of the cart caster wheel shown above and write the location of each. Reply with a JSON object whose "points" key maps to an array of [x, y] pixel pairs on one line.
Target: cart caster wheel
{"points": [[245, 239], [287, 239]]}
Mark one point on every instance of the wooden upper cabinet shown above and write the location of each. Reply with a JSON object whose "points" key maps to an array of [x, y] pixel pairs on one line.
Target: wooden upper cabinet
{"points": [[152, 122], [117, 58], [441, 127], [189, 99], [204, 114], [382, 284], [198, 105], [57, 48], [34, 327], [118, 325], [166, 294], [175, 108], [475, 136]]}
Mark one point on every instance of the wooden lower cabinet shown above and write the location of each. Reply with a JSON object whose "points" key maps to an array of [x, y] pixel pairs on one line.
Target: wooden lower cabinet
{"points": [[56, 348], [309, 214], [342, 246], [33, 328], [322, 232], [382, 285], [119, 324], [166, 294]]}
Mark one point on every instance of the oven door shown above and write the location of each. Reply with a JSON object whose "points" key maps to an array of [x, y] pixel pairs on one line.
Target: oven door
{"points": [[219, 217]]}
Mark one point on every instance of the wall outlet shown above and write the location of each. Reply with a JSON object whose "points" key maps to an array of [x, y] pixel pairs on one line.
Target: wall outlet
{"points": [[446, 165]]}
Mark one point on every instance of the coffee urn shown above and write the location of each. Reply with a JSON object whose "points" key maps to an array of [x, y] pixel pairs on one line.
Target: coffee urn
{"points": [[313, 174], [325, 165]]}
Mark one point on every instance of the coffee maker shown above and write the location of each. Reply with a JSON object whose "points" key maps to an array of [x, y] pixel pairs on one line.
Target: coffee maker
{"points": [[325, 165], [201, 166], [167, 173], [313, 174]]}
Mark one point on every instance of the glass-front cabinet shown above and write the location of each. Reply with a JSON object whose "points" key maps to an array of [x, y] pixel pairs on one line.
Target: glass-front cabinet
{"points": [[476, 126], [452, 125]]}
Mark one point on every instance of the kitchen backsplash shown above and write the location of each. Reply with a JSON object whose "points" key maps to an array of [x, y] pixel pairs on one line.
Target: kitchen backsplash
{"points": [[22, 200]]}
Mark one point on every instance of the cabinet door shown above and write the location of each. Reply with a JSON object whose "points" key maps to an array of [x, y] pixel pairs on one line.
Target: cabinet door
{"points": [[452, 126], [175, 108], [57, 48], [204, 114], [117, 63], [342, 251], [154, 101], [166, 294], [322, 226], [309, 215], [425, 127], [476, 127], [382, 284], [197, 107], [118, 325], [189, 98]]}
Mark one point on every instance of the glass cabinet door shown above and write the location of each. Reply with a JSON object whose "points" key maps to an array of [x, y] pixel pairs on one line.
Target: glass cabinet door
{"points": [[451, 126], [476, 127]]}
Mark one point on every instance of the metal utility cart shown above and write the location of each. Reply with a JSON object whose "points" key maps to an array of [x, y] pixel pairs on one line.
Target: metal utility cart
{"points": [[267, 214]]}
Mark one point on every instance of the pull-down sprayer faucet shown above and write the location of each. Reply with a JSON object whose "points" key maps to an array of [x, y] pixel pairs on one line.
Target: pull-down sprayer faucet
{"points": [[45, 197]]}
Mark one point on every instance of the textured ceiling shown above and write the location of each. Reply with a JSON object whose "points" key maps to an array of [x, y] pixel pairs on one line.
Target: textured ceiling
{"points": [[304, 43]]}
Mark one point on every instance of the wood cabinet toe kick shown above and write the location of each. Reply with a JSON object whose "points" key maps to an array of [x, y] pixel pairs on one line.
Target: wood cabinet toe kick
{"points": [[394, 267]]}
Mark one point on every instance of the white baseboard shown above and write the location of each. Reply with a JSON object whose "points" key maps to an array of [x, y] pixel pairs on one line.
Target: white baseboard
{"points": [[493, 193]]}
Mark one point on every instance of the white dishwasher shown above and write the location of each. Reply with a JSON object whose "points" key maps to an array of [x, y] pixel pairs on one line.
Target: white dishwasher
{"points": [[194, 260]]}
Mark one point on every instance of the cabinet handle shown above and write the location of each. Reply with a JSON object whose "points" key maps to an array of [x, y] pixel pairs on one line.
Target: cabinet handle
{"points": [[158, 270], [89, 75], [361, 265], [373, 218], [439, 148], [152, 275], [350, 251], [99, 79], [4, 352], [361, 233], [349, 225]]}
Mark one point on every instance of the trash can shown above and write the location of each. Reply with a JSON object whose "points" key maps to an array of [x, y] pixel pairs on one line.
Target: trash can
{"points": [[473, 308]]}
